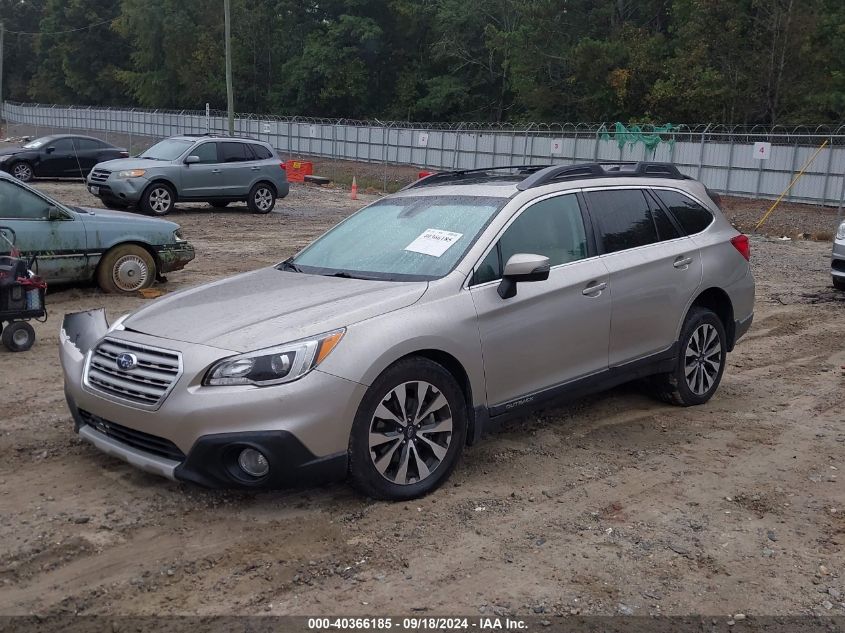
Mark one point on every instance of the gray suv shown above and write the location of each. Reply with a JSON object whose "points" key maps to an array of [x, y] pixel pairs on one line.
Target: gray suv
{"points": [[217, 170], [418, 323]]}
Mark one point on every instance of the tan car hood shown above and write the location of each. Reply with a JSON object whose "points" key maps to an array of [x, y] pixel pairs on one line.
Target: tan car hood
{"points": [[267, 307]]}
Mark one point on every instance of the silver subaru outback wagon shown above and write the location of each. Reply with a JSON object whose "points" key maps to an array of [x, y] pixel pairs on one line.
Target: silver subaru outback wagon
{"points": [[429, 316]]}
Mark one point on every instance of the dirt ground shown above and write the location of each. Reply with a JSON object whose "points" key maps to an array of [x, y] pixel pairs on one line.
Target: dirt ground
{"points": [[612, 504]]}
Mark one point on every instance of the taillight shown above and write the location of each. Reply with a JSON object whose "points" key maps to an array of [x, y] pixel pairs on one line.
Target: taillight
{"points": [[283, 166], [742, 244]]}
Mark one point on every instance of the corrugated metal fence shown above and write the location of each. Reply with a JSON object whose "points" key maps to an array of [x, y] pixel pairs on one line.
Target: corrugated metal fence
{"points": [[723, 157]]}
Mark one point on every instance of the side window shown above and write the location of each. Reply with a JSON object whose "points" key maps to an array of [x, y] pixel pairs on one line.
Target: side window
{"points": [[552, 227], [692, 217], [16, 203], [623, 218], [665, 228], [261, 152], [86, 144], [62, 145], [233, 152], [207, 152]]}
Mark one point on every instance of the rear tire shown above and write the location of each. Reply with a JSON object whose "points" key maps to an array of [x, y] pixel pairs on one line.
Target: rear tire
{"points": [[262, 198], [18, 336], [839, 284], [23, 171], [158, 199], [126, 269], [702, 351], [396, 454]]}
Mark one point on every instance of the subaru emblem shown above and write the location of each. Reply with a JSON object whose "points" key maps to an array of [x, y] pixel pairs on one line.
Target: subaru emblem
{"points": [[127, 361]]}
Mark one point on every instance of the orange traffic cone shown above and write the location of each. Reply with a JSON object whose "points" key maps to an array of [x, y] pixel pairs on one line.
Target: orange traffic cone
{"points": [[353, 195]]}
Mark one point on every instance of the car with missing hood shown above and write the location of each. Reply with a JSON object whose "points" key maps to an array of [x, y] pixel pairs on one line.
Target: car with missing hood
{"points": [[122, 252], [418, 323]]}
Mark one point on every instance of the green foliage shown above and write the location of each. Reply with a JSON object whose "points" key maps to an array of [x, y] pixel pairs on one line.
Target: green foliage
{"points": [[639, 61]]}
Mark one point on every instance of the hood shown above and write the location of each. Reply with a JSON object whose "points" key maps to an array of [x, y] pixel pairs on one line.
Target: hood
{"points": [[106, 216], [9, 151], [131, 163], [268, 307]]}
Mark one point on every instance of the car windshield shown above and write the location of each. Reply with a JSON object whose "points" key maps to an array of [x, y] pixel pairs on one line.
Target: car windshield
{"points": [[407, 238], [168, 149], [37, 143]]}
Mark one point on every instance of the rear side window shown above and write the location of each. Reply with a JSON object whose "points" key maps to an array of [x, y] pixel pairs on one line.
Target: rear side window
{"points": [[87, 143], [666, 230], [261, 152], [233, 152], [623, 218], [692, 217]]}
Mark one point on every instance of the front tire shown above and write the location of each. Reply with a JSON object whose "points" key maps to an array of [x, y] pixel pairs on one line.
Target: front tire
{"points": [[126, 269], [158, 199], [18, 336], [23, 171], [262, 198], [839, 284], [702, 353], [409, 431]]}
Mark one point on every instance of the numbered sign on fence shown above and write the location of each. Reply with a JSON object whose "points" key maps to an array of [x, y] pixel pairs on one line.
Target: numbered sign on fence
{"points": [[265, 128], [762, 150], [557, 146], [312, 130], [422, 140]]}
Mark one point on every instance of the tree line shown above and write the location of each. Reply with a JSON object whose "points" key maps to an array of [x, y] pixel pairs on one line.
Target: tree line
{"points": [[638, 61]]}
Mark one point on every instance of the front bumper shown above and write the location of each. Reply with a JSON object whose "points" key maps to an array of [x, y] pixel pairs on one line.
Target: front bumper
{"points": [[127, 190], [837, 260], [174, 256], [195, 435]]}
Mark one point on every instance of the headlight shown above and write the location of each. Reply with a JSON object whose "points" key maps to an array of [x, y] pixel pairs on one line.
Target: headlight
{"points": [[274, 365], [118, 324], [177, 236], [130, 173], [840, 232]]}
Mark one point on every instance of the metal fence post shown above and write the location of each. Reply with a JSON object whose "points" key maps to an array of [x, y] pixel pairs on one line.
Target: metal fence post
{"points": [[827, 170], [701, 153]]}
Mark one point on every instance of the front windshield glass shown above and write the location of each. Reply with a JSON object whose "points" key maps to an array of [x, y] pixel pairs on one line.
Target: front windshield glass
{"points": [[168, 149], [37, 143], [409, 238]]}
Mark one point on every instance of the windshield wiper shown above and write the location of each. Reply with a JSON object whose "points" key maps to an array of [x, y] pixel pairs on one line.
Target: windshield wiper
{"points": [[289, 265]]}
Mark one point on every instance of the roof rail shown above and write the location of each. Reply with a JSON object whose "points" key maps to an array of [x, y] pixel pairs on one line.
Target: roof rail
{"points": [[600, 170], [443, 177]]}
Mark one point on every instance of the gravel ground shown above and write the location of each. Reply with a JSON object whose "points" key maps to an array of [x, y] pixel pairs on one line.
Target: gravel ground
{"points": [[612, 504]]}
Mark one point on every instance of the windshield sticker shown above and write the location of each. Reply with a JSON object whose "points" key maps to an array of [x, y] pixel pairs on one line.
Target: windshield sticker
{"points": [[433, 242]]}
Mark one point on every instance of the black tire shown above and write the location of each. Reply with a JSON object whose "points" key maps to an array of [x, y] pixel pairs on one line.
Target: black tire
{"points": [[126, 269], [675, 387], [218, 204], [262, 198], [158, 199], [839, 284], [414, 446], [23, 171], [18, 336]]}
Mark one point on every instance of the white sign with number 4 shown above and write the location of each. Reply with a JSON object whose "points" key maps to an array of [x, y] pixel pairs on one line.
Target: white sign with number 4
{"points": [[762, 150]]}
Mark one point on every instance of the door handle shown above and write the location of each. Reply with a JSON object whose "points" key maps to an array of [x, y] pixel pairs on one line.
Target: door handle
{"points": [[594, 290], [254, 168], [215, 171], [682, 262]]}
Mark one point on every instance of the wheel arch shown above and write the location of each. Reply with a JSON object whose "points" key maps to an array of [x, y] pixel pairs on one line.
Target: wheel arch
{"points": [[267, 182], [720, 303], [163, 180], [146, 246]]}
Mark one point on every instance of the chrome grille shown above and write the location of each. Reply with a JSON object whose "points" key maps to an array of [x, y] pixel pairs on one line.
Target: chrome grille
{"points": [[146, 384], [99, 175]]}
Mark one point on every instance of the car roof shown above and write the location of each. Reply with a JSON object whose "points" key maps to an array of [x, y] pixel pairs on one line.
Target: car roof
{"points": [[214, 137]]}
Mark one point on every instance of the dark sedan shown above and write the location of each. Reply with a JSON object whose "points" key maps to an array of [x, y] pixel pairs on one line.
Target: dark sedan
{"points": [[59, 155]]}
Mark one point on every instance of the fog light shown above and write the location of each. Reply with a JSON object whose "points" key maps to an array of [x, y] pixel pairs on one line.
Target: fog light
{"points": [[252, 462]]}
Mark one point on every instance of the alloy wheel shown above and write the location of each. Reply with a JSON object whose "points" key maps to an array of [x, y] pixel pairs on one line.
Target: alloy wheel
{"points": [[263, 199], [703, 359], [130, 273], [410, 432], [160, 200], [22, 171]]}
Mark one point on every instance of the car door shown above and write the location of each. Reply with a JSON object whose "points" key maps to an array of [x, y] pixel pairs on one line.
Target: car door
{"points": [[203, 180], [58, 159], [239, 167], [654, 271], [55, 236], [87, 154], [553, 331]]}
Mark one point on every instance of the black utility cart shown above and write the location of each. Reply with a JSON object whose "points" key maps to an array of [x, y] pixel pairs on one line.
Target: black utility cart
{"points": [[21, 299]]}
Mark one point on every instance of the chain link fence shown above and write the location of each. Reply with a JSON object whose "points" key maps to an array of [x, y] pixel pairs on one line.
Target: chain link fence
{"points": [[748, 161]]}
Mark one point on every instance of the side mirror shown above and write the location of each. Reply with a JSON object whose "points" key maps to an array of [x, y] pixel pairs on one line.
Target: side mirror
{"points": [[50, 150], [53, 213], [523, 267], [192, 159]]}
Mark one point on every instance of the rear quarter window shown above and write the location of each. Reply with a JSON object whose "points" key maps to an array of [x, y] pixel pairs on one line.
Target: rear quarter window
{"points": [[261, 152], [692, 217]]}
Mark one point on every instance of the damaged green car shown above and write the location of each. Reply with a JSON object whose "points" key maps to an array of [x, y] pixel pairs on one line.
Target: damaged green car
{"points": [[122, 252]]}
